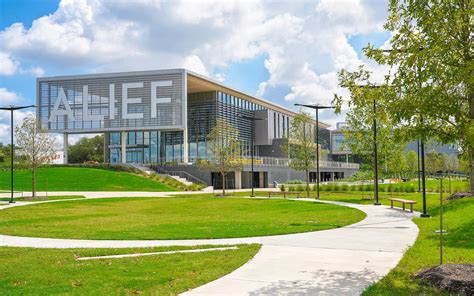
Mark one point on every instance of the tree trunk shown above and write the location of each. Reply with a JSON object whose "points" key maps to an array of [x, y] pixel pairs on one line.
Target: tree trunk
{"points": [[307, 184], [470, 141], [33, 182], [223, 184]]}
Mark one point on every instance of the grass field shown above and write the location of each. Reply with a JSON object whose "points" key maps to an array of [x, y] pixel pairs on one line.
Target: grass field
{"points": [[43, 198], [458, 220], [27, 271], [173, 218], [81, 179]]}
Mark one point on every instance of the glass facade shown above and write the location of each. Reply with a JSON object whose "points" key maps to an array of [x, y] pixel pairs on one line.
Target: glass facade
{"points": [[167, 147], [337, 141], [147, 147]]}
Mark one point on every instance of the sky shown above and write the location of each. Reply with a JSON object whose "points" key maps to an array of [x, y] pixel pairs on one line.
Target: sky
{"points": [[284, 51]]}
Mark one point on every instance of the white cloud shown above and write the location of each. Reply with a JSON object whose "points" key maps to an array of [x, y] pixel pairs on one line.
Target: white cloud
{"points": [[306, 43], [7, 97], [261, 89], [8, 66], [194, 63]]}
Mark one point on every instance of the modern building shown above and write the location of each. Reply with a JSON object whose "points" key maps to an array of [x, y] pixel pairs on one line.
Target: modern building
{"points": [[163, 118]]}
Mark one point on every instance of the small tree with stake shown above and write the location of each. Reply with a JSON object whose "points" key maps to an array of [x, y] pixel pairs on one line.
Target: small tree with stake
{"points": [[300, 145], [225, 148], [36, 147]]}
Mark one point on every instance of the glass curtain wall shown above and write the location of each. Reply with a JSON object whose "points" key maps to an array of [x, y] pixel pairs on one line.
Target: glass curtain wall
{"points": [[148, 147], [204, 108]]}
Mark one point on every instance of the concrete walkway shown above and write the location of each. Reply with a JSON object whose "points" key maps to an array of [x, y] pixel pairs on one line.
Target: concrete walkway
{"points": [[341, 261]]}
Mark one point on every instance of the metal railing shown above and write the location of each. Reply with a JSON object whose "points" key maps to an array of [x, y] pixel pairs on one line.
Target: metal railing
{"points": [[283, 162], [182, 174]]}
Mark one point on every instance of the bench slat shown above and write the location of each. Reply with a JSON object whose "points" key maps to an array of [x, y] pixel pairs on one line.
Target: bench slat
{"points": [[407, 201]]}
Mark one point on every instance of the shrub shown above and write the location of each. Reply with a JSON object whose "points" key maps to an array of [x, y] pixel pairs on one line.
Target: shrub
{"points": [[301, 187], [295, 182], [282, 187], [344, 187], [367, 187], [360, 187]]}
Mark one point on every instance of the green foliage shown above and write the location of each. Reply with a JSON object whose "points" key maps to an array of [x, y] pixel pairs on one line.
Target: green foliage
{"points": [[282, 187], [430, 91], [300, 145], [411, 160], [87, 149], [300, 187], [295, 182]]}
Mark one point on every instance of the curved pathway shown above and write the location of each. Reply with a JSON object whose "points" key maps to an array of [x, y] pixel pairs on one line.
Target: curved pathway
{"points": [[341, 261]]}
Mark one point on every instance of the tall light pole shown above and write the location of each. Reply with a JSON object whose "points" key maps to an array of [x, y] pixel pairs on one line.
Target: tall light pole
{"points": [[11, 109], [376, 167], [374, 128], [421, 142], [252, 151], [317, 108]]}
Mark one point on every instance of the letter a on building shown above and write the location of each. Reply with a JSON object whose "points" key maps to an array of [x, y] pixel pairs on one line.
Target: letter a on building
{"points": [[62, 99]]}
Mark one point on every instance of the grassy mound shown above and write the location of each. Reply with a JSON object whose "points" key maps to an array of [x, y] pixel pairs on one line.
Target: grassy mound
{"points": [[81, 179]]}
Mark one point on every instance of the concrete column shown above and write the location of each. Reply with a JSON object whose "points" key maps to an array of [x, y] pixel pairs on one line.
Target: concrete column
{"points": [[332, 175], [65, 147], [261, 177], [124, 146], [238, 180], [185, 146]]}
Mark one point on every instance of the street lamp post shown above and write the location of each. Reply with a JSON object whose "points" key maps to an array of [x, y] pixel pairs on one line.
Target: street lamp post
{"points": [[252, 150], [11, 109], [376, 167], [374, 127], [421, 145], [317, 108]]}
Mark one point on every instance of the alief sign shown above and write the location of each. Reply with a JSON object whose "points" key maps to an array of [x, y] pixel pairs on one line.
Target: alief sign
{"points": [[112, 102]]}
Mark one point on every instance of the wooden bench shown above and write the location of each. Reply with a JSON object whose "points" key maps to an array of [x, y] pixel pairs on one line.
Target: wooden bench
{"points": [[285, 193], [403, 201]]}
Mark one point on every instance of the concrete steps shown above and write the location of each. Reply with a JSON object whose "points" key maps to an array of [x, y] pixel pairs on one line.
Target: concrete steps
{"points": [[149, 171]]}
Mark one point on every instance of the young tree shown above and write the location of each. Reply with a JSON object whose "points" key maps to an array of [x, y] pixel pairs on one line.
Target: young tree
{"points": [[411, 160], [300, 145], [35, 146], [397, 164], [225, 149], [434, 162]]}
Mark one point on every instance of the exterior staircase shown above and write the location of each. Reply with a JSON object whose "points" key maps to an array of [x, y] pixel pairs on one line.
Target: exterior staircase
{"points": [[148, 170]]}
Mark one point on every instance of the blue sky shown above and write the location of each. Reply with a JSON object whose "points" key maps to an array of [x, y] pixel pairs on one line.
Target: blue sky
{"points": [[285, 53]]}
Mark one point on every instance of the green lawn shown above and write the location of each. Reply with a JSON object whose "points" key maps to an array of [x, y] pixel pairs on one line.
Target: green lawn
{"points": [[43, 198], [458, 220], [173, 218], [27, 271], [81, 179]]}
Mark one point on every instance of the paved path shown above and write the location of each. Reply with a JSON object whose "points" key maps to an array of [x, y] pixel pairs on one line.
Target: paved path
{"points": [[332, 262]]}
